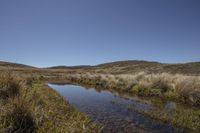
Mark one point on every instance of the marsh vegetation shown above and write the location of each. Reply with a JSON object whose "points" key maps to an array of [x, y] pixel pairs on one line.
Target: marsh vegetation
{"points": [[164, 87], [177, 87], [29, 105]]}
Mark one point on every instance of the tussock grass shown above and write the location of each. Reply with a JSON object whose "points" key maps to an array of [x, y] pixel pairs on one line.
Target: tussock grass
{"points": [[15, 113], [177, 87], [16, 117], [30, 106], [8, 86]]}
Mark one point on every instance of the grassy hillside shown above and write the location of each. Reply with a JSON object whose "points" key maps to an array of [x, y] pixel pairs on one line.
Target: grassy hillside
{"points": [[70, 67], [188, 68], [14, 65], [128, 67]]}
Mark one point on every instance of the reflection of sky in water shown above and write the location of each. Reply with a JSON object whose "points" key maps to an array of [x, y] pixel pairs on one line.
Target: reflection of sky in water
{"points": [[110, 110]]}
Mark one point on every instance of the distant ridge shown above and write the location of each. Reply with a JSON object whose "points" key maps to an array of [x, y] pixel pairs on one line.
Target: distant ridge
{"points": [[15, 65], [70, 67], [121, 67], [128, 62], [134, 66]]}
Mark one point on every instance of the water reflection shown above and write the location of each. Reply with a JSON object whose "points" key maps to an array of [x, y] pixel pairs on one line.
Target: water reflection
{"points": [[116, 113]]}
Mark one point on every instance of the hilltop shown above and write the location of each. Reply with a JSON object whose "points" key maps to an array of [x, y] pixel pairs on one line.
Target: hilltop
{"points": [[5, 64]]}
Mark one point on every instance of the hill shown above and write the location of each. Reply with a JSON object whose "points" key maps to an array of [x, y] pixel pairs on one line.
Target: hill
{"points": [[70, 67], [134, 66], [4, 64], [120, 67]]}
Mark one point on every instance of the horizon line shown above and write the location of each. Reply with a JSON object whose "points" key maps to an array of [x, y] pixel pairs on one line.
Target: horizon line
{"points": [[21, 63]]}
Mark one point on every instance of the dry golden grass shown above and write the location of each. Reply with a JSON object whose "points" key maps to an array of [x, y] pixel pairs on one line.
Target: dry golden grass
{"points": [[16, 116], [30, 106], [8, 86], [174, 86]]}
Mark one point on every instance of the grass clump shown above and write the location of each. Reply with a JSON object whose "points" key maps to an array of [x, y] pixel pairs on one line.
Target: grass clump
{"points": [[9, 87], [160, 83], [16, 117], [15, 113]]}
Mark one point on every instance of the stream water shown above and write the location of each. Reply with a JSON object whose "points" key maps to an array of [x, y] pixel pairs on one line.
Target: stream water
{"points": [[116, 113]]}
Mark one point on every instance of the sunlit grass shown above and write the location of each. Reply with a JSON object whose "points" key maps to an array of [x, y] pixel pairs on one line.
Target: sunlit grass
{"points": [[182, 88], [30, 106], [168, 87]]}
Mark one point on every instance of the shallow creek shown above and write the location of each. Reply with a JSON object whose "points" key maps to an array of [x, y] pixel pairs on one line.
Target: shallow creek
{"points": [[117, 113]]}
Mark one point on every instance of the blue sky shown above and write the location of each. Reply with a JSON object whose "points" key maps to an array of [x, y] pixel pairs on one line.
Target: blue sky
{"points": [[74, 32]]}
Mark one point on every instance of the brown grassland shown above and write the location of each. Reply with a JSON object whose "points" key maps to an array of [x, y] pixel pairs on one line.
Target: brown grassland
{"points": [[29, 105]]}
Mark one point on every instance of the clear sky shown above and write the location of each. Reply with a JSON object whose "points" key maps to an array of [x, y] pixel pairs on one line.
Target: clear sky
{"points": [[74, 32]]}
